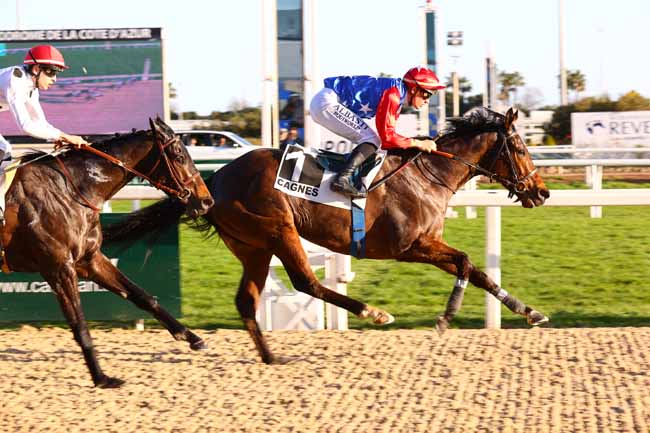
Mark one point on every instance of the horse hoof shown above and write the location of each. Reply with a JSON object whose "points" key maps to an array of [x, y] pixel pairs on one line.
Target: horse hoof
{"points": [[441, 325], [283, 360], [109, 382], [536, 318], [379, 317], [199, 345]]}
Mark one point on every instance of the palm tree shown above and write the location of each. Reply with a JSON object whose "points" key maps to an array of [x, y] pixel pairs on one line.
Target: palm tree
{"points": [[576, 81], [510, 81]]}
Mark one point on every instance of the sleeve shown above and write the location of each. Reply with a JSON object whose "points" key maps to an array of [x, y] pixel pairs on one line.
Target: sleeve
{"points": [[386, 118], [29, 115]]}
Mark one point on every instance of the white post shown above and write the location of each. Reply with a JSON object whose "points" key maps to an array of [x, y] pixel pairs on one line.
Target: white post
{"points": [[312, 82], [493, 264], [564, 96], [270, 122], [596, 185], [338, 270], [470, 211]]}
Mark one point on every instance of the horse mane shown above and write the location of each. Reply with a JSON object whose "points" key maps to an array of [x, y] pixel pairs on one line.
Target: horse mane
{"points": [[476, 121], [102, 145]]}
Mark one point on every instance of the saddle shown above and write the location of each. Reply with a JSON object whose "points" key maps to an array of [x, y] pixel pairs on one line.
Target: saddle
{"points": [[334, 161]]}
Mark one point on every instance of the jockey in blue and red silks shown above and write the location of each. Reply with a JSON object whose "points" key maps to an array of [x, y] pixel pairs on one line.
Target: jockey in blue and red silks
{"points": [[345, 101]]}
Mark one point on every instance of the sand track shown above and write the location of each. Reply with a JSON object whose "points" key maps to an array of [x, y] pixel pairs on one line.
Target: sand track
{"points": [[539, 380]]}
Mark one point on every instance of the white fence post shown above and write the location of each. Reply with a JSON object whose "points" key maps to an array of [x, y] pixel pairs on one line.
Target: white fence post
{"points": [[596, 185], [493, 264], [337, 275]]}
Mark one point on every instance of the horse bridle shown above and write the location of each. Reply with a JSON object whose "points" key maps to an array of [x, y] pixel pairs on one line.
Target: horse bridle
{"points": [[179, 190], [517, 184]]}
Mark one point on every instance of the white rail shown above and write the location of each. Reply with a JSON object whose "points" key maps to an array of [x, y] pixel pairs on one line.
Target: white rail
{"points": [[494, 200]]}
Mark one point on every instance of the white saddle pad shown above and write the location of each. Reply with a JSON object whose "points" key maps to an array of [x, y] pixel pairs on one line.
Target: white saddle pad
{"points": [[299, 175]]}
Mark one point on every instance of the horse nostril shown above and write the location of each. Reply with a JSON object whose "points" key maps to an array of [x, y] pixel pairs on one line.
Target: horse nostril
{"points": [[207, 203], [544, 193]]}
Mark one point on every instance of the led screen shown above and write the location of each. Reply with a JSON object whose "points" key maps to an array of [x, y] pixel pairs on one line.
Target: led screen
{"points": [[114, 84]]}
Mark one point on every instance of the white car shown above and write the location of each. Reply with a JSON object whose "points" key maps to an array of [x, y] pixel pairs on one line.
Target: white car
{"points": [[214, 148]]}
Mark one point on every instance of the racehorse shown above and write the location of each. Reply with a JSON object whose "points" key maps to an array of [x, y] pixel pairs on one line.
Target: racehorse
{"points": [[405, 216], [52, 221]]}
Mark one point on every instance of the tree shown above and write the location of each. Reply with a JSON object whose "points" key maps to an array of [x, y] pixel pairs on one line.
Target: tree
{"points": [[576, 81], [510, 81], [632, 101]]}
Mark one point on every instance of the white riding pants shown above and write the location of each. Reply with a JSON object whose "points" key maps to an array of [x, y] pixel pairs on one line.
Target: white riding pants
{"points": [[326, 110]]}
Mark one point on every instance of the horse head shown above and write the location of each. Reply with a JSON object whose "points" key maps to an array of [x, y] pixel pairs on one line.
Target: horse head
{"points": [[514, 166], [175, 170]]}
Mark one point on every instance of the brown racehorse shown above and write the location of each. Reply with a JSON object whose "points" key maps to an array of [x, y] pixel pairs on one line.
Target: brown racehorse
{"points": [[404, 217], [52, 221]]}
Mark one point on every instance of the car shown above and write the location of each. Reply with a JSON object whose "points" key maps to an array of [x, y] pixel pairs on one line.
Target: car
{"points": [[212, 149]]}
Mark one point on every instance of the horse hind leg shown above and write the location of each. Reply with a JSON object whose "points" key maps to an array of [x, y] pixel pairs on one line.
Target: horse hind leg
{"points": [[302, 277]]}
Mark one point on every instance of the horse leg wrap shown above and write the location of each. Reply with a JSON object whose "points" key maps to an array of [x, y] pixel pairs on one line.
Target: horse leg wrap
{"points": [[514, 304], [455, 299]]}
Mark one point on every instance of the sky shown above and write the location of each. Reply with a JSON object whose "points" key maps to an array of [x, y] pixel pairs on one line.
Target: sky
{"points": [[214, 56]]}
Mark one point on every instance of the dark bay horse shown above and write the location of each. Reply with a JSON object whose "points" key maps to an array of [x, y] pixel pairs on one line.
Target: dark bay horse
{"points": [[52, 221], [404, 217]]}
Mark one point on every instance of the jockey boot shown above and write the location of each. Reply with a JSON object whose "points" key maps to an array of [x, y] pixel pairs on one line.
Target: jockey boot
{"points": [[343, 181]]}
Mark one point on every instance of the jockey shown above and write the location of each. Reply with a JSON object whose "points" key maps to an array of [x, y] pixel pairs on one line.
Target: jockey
{"points": [[345, 101], [19, 87]]}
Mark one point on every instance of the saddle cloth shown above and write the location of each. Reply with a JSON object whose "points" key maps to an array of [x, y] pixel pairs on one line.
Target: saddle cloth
{"points": [[307, 174]]}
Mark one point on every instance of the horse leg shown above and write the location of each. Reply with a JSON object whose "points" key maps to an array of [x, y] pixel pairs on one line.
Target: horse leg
{"points": [[457, 263], [296, 263], [104, 273], [256, 267], [64, 285]]}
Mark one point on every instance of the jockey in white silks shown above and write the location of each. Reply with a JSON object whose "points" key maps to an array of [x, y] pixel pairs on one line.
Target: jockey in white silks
{"points": [[19, 87]]}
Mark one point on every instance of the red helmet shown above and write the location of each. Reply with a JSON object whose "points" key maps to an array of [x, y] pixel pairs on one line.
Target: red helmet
{"points": [[423, 78], [45, 55]]}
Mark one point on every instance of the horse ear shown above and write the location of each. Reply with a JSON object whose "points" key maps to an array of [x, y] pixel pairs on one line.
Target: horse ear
{"points": [[152, 125], [510, 118]]}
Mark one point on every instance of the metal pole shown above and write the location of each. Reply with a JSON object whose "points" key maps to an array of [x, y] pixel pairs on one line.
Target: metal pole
{"points": [[456, 94], [18, 23], [493, 264], [270, 121], [312, 82], [564, 96]]}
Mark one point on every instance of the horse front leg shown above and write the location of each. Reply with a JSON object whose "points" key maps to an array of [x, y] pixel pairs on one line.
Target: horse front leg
{"points": [[104, 273], [457, 263], [64, 284]]}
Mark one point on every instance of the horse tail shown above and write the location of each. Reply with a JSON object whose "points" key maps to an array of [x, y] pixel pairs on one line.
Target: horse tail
{"points": [[149, 221]]}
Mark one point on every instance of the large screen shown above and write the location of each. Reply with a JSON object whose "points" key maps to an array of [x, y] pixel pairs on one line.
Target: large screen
{"points": [[115, 81]]}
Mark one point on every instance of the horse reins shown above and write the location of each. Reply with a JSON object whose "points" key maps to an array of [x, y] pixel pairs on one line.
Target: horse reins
{"points": [[518, 185], [181, 192]]}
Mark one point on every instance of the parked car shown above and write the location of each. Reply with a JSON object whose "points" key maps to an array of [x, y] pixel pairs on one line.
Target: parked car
{"points": [[210, 150]]}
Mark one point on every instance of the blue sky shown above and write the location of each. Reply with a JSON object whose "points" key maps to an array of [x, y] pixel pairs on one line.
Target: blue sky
{"points": [[213, 53]]}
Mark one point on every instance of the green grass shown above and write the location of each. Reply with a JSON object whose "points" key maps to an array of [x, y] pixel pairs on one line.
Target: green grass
{"points": [[579, 271]]}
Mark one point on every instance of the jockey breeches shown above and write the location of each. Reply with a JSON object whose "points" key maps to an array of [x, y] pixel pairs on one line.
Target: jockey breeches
{"points": [[327, 111]]}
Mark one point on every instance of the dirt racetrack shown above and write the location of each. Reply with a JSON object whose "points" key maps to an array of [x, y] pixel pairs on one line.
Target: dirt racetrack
{"points": [[537, 380]]}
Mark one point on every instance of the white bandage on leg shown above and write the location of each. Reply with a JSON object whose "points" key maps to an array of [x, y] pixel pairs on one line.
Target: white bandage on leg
{"points": [[327, 111], [461, 283], [501, 294]]}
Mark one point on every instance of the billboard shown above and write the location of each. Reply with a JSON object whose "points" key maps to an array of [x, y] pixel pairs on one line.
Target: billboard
{"points": [[152, 263], [611, 129], [115, 81]]}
